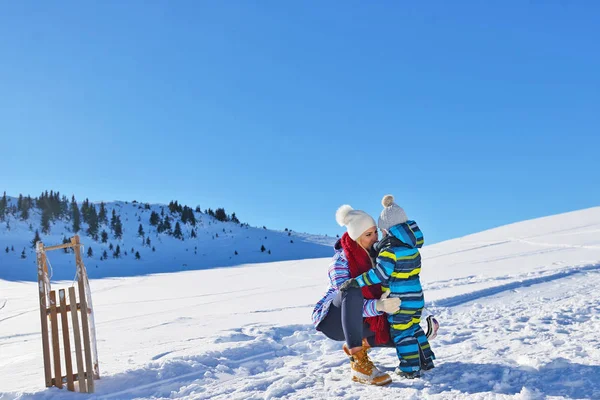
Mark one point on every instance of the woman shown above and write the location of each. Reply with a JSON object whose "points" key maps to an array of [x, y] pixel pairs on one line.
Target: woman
{"points": [[356, 315]]}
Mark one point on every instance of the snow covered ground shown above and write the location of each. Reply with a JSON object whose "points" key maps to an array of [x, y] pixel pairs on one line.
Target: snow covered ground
{"points": [[518, 308]]}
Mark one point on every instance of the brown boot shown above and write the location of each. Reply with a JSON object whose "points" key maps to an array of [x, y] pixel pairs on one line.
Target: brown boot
{"points": [[365, 344], [363, 369]]}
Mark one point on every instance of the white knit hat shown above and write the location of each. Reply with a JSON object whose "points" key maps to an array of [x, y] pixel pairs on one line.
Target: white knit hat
{"points": [[392, 213], [355, 221]]}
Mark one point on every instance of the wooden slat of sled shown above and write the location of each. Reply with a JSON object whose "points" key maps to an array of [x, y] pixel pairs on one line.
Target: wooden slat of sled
{"points": [[55, 340], [77, 338], [85, 327], [42, 270], [67, 345]]}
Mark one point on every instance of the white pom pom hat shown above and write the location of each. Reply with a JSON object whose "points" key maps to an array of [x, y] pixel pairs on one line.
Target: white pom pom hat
{"points": [[392, 213], [356, 221]]}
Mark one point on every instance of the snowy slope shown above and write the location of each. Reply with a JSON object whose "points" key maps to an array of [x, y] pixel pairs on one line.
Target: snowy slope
{"points": [[214, 246], [518, 306], [522, 252]]}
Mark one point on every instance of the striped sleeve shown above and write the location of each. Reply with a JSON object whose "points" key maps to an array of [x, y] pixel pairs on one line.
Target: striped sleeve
{"points": [[418, 234], [381, 272], [339, 272], [369, 309]]}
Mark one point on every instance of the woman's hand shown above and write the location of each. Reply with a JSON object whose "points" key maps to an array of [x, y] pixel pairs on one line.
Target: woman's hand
{"points": [[350, 283], [388, 306]]}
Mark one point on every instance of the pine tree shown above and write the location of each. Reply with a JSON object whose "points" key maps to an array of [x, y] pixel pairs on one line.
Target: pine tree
{"points": [[113, 220], [90, 252], [25, 205], [3, 203], [193, 233], [187, 215], [63, 209], [35, 239], [76, 215], [137, 255], [235, 252], [118, 228], [110, 246], [7, 249], [65, 241], [23, 253], [104, 255], [234, 218], [85, 207], [93, 222], [166, 225], [177, 233], [117, 252], [141, 231], [43, 201], [269, 252], [91, 208], [184, 216], [46, 221], [262, 248], [104, 236], [221, 215], [148, 242], [102, 218], [154, 218]]}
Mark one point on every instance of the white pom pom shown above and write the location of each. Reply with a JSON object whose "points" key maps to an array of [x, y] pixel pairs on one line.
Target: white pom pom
{"points": [[387, 200], [342, 213]]}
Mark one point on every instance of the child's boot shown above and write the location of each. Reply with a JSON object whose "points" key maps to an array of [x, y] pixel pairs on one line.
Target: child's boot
{"points": [[426, 363], [407, 375]]}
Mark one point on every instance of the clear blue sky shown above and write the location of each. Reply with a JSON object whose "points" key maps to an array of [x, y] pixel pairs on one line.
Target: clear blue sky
{"points": [[472, 114]]}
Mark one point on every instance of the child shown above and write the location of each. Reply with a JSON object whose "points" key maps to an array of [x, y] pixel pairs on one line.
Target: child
{"points": [[397, 269]]}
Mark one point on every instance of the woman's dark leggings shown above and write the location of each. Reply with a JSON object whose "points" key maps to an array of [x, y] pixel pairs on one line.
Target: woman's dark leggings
{"points": [[344, 320]]}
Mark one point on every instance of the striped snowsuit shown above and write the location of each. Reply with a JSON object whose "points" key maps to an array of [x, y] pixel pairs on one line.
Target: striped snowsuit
{"points": [[397, 269]]}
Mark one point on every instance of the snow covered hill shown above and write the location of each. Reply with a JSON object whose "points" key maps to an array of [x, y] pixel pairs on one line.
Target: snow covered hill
{"points": [[518, 306], [215, 244]]}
